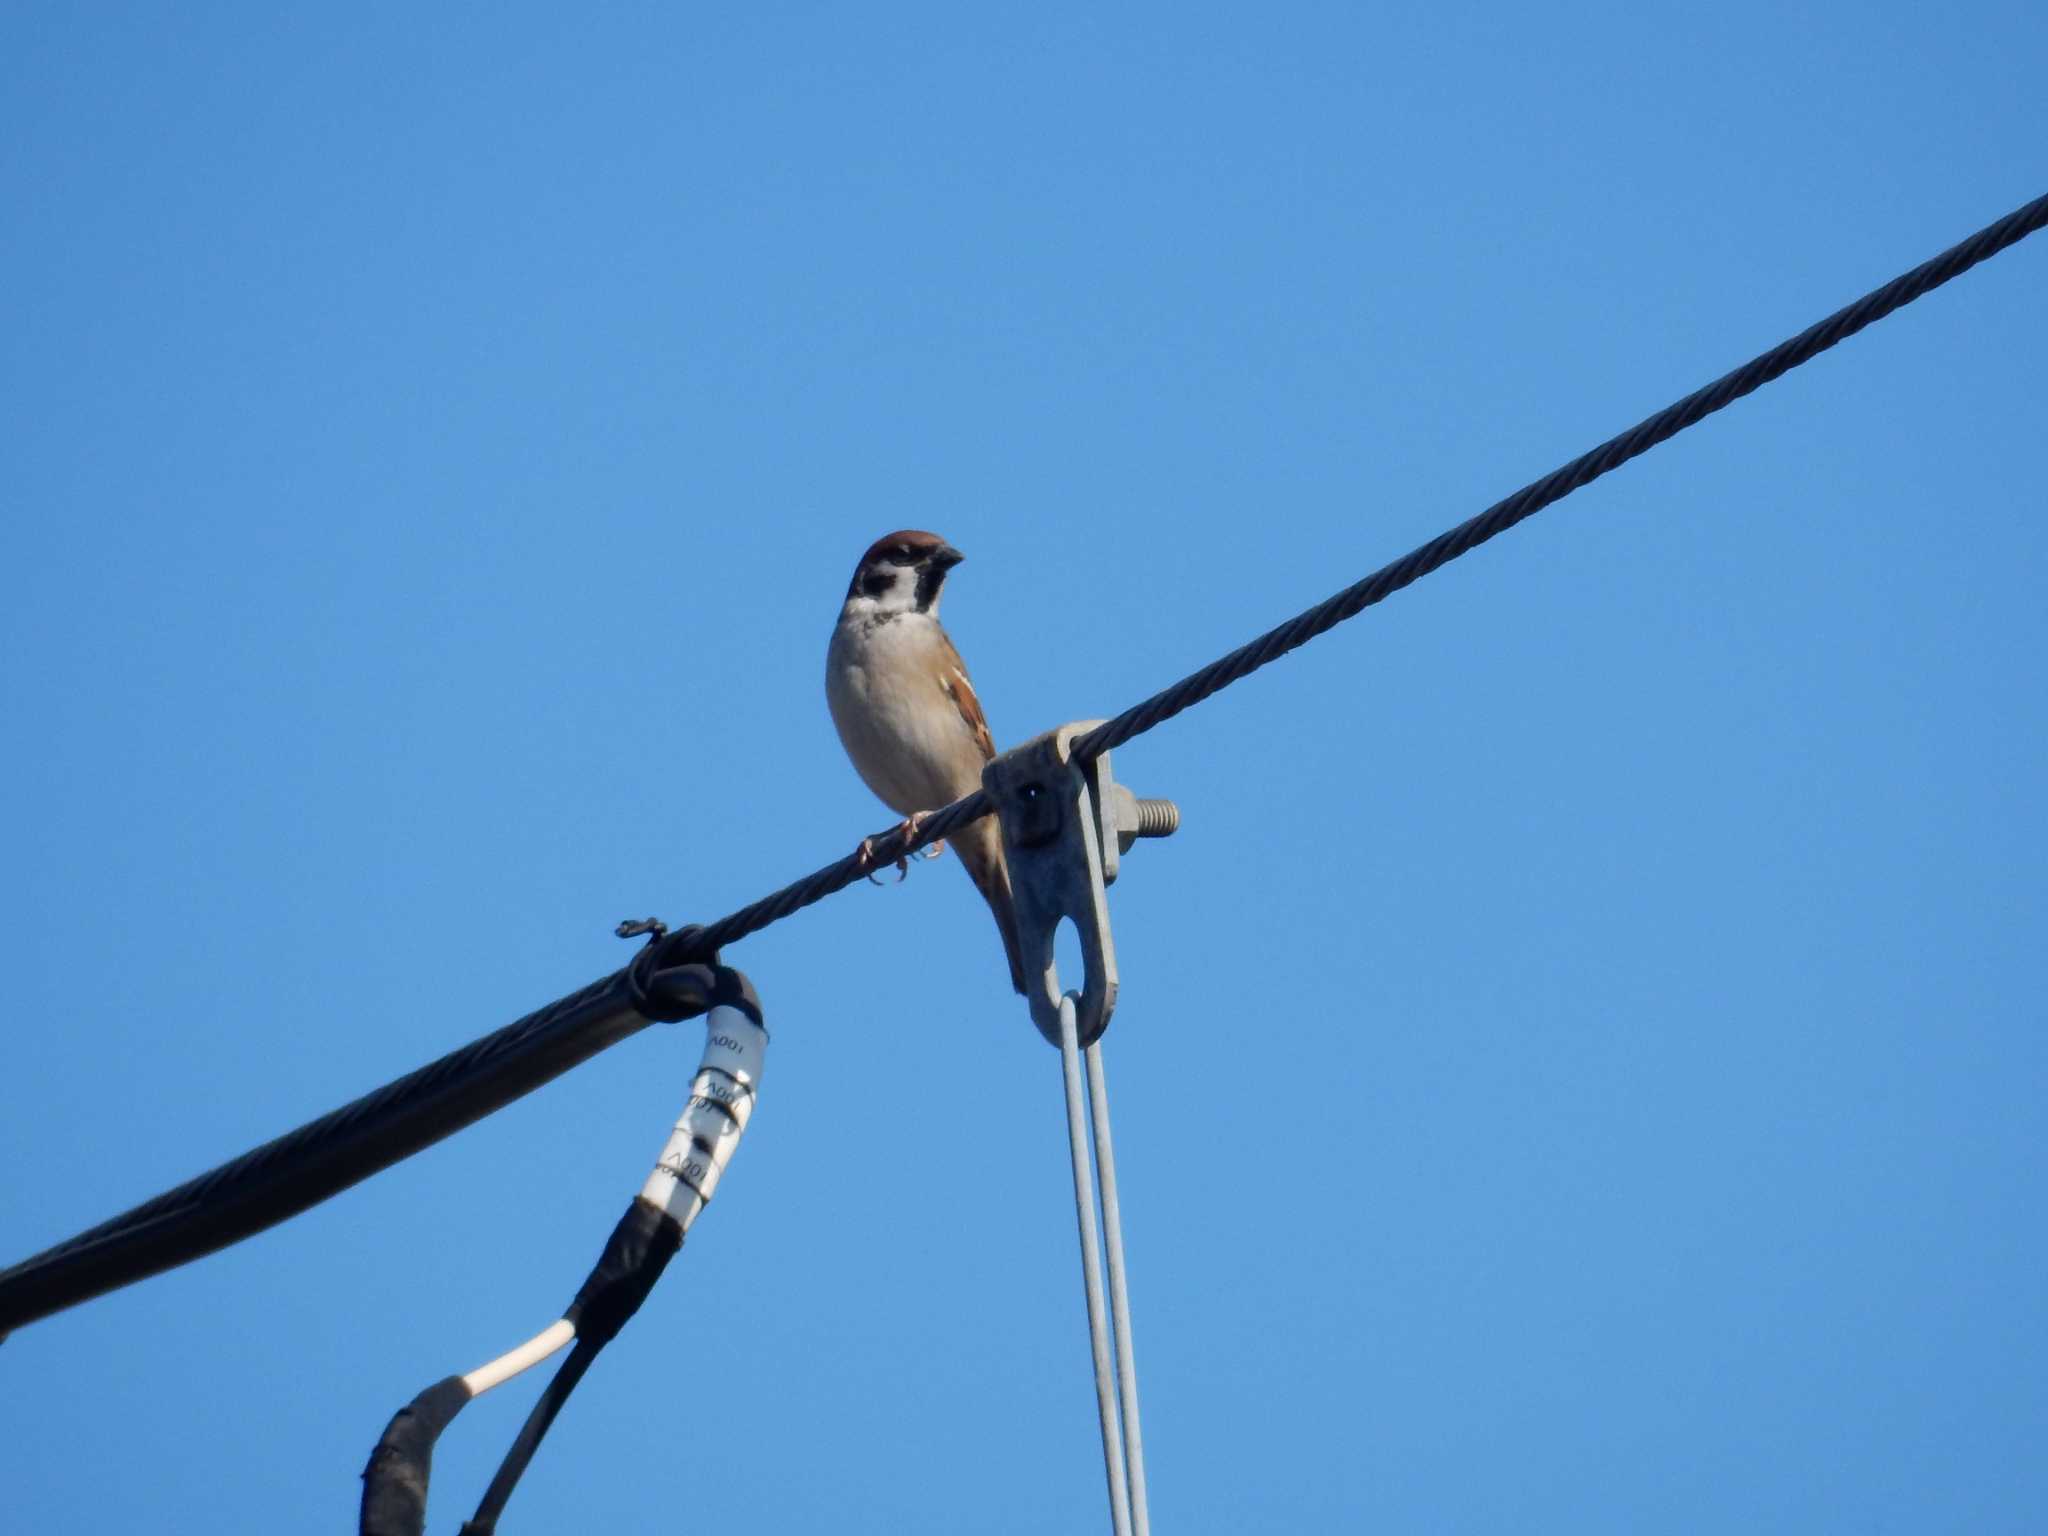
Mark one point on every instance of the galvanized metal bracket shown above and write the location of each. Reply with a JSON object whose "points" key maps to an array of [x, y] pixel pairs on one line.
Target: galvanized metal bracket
{"points": [[1065, 826]]}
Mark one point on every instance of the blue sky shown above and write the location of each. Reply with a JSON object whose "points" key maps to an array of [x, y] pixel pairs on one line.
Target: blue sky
{"points": [[1581, 1066]]}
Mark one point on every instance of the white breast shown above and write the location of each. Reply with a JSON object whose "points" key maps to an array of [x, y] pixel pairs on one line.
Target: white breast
{"points": [[899, 725]]}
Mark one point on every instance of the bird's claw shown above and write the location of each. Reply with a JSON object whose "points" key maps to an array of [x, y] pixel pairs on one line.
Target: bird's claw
{"points": [[908, 830], [867, 856]]}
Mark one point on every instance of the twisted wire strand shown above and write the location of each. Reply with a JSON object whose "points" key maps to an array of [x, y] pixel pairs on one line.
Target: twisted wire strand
{"points": [[325, 1155], [773, 908], [1560, 483], [1417, 563]]}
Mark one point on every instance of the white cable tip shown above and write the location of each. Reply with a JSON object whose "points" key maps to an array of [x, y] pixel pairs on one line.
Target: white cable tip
{"points": [[526, 1356]]}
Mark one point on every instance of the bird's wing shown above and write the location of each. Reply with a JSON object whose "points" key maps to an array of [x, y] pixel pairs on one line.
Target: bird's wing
{"points": [[953, 678]]}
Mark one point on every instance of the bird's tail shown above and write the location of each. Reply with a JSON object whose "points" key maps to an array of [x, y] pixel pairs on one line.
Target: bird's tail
{"points": [[991, 876], [1004, 905]]}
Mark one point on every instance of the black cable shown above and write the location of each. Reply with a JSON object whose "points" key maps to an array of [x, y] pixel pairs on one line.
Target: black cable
{"points": [[635, 1255], [1440, 551], [1560, 483], [400, 1467], [560, 1385], [645, 1239], [325, 1156], [297, 1170]]}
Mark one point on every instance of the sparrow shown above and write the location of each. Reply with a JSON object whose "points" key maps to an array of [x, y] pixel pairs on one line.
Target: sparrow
{"points": [[906, 713]]}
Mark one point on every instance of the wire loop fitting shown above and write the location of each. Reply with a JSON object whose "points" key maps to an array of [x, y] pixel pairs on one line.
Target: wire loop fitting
{"points": [[1066, 823]]}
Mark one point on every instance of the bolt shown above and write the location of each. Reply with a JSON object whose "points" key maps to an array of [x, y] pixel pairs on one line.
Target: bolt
{"points": [[1136, 818], [1156, 818]]}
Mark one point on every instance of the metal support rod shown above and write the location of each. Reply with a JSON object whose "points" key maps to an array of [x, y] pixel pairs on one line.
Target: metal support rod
{"points": [[1119, 1293], [1106, 1395], [1091, 1274]]}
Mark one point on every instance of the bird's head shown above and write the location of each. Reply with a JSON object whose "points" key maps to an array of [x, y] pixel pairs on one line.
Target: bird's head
{"points": [[902, 572]]}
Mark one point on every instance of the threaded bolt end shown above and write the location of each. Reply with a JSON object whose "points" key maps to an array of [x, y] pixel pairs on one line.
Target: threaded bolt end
{"points": [[1157, 818]]}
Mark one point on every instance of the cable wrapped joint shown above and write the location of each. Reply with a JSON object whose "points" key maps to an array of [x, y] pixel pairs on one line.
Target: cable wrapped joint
{"points": [[635, 1255], [721, 1102]]}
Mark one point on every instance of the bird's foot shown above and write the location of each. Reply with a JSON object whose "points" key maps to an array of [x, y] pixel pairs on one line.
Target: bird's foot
{"points": [[909, 829], [867, 859]]}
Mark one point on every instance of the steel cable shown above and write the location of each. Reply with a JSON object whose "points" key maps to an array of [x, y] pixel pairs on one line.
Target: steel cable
{"points": [[1413, 566], [316, 1160]]}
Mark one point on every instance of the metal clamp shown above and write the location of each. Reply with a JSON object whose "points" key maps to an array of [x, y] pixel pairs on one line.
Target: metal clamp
{"points": [[1065, 826]]}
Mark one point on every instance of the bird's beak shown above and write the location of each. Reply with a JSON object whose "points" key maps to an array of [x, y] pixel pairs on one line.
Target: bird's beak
{"points": [[945, 557]]}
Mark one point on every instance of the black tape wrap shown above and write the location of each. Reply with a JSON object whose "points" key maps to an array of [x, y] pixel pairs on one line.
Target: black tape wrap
{"points": [[634, 1256], [395, 1481]]}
